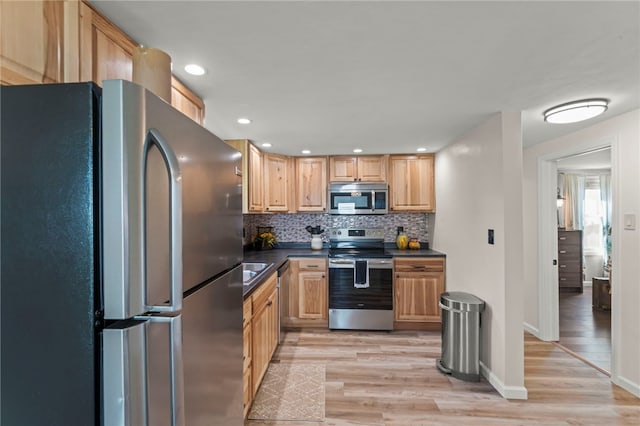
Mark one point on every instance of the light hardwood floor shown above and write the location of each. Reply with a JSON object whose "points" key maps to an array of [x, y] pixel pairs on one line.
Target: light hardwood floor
{"points": [[380, 378], [584, 330]]}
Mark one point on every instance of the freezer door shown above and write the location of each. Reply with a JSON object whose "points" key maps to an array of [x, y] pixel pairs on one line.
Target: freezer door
{"points": [[172, 202], [212, 334], [143, 378]]}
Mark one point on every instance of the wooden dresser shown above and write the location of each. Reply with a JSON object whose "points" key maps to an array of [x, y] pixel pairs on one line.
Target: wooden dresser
{"points": [[570, 260]]}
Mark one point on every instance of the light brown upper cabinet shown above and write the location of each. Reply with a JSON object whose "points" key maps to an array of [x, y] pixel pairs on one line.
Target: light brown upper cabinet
{"points": [[411, 183], [242, 145], [256, 178], [36, 42], [105, 51], [311, 184], [368, 168], [277, 185], [68, 41], [185, 101]]}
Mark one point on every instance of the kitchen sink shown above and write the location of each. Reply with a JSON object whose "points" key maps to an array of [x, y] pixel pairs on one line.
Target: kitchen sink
{"points": [[255, 266], [251, 271]]}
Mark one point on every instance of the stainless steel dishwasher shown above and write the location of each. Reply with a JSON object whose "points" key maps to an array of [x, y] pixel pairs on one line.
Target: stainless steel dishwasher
{"points": [[284, 278]]}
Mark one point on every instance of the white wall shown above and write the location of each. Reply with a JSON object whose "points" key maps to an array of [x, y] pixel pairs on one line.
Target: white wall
{"points": [[623, 132], [478, 187]]}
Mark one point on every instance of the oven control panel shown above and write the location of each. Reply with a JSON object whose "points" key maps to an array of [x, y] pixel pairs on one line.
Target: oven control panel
{"points": [[354, 234]]}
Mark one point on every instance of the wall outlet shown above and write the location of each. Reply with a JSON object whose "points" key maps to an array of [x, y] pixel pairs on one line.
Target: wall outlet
{"points": [[490, 237]]}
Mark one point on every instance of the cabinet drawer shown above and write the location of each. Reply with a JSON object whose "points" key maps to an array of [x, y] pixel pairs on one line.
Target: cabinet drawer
{"points": [[569, 238], [313, 264], [247, 311], [570, 252], [262, 294], [569, 266], [419, 265], [571, 280]]}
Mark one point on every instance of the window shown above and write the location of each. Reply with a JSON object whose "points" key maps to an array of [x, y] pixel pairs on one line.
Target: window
{"points": [[592, 217]]}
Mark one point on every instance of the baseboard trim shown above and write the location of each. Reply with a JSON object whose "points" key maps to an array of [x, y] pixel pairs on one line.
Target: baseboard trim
{"points": [[508, 392], [627, 385], [531, 329]]}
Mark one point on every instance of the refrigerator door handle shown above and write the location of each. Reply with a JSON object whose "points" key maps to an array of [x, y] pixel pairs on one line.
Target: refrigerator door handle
{"points": [[175, 187], [176, 366]]}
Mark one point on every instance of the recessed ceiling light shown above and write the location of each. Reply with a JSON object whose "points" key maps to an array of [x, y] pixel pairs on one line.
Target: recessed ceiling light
{"points": [[572, 112], [266, 145], [243, 120], [357, 150], [306, 151], [421, 149], [194, 69]]}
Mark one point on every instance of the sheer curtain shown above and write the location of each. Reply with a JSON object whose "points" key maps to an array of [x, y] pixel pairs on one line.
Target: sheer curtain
{"points": [[574, 199], [605, 198]]}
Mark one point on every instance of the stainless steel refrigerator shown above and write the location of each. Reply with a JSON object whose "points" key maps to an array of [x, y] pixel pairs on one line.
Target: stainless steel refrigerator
{"points": [[121, 285]]}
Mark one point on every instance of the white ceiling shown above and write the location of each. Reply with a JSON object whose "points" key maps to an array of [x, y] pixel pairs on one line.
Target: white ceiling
{"points": [[390, 76]]}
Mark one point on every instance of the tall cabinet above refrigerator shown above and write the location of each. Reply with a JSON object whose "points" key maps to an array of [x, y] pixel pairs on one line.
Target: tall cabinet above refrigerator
{"points": [[121, 284]]}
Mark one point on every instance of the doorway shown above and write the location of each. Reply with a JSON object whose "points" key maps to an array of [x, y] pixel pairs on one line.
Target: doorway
{"points": [[549, 295], [584, 214]]}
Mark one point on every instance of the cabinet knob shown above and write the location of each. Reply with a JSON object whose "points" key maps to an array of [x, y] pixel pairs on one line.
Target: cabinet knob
{"points": [[270, 302]]}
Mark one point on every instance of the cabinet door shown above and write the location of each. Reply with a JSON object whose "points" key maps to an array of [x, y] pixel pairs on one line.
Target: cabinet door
{"points": [[276, 183], [32, 44], [417, 296], [260, 335], [372, 169], [412, 183], [343, 169], [312, 184], [273, 313], [105, 51], [185, 101], [247, 389], [312, 294], [255, 180]]}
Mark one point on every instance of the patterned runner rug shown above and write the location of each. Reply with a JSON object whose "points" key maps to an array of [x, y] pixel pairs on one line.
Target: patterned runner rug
{"points": [[290, 392]]}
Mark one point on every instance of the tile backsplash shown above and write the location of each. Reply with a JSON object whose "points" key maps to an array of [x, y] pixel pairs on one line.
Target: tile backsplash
{"points": [[291, 227]]}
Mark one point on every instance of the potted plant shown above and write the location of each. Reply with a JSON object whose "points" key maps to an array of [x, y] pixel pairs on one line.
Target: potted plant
{"points": [[265, 238]]}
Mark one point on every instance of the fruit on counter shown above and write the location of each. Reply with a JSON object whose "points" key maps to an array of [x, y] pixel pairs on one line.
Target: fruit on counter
{"points": [[402, 241], [414, 244]]}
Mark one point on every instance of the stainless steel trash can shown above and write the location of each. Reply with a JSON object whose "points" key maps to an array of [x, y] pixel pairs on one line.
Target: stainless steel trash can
{"points": [[460, 335]]}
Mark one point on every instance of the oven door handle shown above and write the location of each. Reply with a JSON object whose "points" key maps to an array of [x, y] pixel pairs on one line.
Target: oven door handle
{"points": [[341, 262]]}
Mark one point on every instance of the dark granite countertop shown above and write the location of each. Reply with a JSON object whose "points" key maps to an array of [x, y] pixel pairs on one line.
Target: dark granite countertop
{"points": [[415, 253], [277, 257]]}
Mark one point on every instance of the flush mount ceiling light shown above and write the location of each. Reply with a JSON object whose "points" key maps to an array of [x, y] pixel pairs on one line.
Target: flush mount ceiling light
{"points": [[243, 120], [194, 69], [357, 150], [572, 112]]}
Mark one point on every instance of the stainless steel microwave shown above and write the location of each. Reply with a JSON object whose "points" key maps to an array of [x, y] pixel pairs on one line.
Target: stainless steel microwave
{"points": [[358, 198]]}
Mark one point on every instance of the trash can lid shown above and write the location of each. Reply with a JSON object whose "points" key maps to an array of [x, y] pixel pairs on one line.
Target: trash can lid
{"points": [[462, 301]]}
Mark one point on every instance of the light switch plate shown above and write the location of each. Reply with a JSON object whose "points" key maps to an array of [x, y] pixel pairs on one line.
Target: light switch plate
{"points": [[629, 221]]}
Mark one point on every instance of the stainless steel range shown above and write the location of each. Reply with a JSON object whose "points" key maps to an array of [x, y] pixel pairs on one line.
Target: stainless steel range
{"points": [[360, 280]]}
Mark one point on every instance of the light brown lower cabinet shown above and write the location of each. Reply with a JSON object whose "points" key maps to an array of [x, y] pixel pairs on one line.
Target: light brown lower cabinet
{"points": [[246, 355], [418, 283], [308, 293], [260, 336]]}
